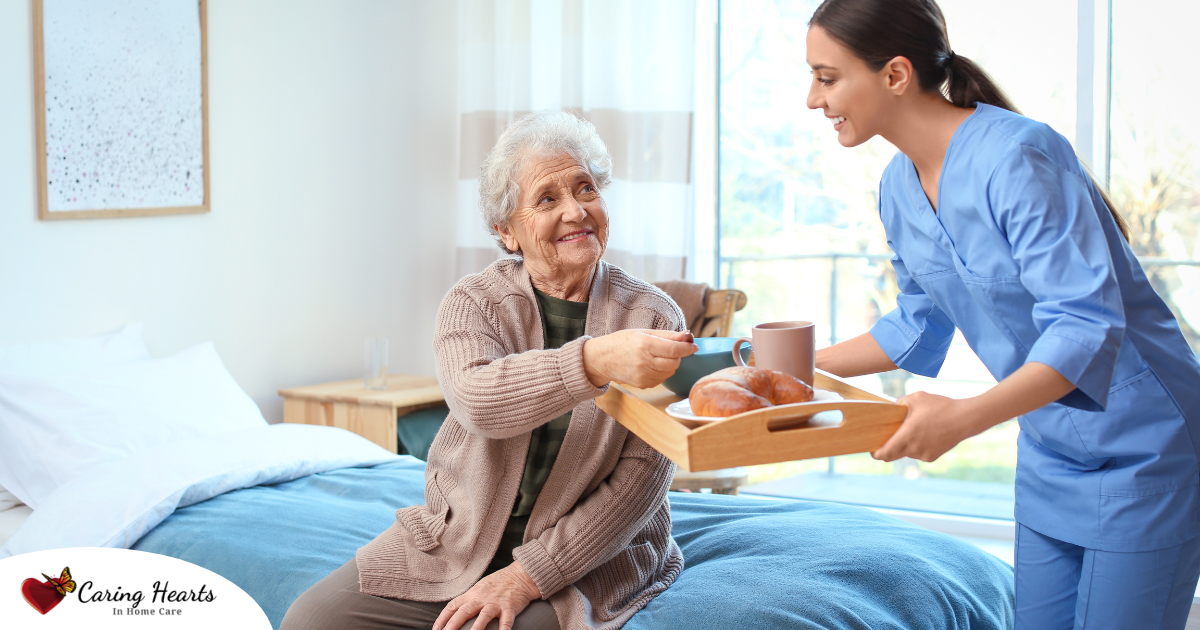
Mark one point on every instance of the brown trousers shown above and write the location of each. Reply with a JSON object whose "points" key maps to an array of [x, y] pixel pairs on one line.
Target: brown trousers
{"points": [[335, 603]]}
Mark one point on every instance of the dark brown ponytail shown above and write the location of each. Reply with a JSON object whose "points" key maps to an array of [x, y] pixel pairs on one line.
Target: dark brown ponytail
{"points": [[878, 31], [967, 84]]}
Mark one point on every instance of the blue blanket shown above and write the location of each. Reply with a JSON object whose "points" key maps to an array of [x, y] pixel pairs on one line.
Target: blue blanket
{"points": [[749, 563]]}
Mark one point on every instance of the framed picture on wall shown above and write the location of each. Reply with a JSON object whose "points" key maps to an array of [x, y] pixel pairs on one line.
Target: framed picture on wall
{"points": [[122, 107]]}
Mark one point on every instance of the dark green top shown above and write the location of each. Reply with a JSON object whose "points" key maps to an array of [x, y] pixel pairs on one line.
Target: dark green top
{"points": [[562, 322]]}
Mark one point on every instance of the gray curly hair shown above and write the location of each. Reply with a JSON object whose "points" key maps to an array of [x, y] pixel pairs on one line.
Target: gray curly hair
{"points": [[538, 135]]}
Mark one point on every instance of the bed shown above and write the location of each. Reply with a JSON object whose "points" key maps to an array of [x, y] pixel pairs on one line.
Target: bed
{"points": [[274, 508], [749, 563]]}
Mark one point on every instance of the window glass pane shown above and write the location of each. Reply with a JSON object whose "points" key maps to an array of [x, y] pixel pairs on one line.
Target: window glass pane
{"points": [[1155, 163], [791, 197]]}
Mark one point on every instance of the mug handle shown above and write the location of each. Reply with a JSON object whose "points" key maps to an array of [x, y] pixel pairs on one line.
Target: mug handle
{"points": [[737, 346]]}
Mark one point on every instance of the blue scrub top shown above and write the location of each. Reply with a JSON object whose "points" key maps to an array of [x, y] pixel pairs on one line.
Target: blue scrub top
{"points": [[1025, 259]]}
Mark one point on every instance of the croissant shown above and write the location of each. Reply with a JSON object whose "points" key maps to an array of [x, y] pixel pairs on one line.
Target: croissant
{"points": [[735, 390]]}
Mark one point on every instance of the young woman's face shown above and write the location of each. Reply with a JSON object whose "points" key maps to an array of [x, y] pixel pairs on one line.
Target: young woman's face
{"points": [[852, 97]]}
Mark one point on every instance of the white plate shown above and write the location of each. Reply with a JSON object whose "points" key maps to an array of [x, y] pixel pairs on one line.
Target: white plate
{"points": [[683, 408]]}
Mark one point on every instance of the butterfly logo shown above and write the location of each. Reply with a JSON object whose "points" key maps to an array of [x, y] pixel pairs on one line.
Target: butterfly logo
{"points": [[44, 596]]}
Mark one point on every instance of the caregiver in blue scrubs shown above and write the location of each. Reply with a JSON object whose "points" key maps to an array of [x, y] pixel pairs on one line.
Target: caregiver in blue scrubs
{"points": [[1000, 232]]}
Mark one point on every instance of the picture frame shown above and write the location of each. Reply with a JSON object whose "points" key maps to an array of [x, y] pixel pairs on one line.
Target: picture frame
{"points": [[121, 100]]}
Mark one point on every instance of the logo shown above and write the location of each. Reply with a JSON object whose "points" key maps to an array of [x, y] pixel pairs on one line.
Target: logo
{"points": [[44, 596], [118, 589]]}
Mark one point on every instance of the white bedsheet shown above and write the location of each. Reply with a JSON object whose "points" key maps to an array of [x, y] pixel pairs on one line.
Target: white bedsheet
{"points": [[116, 503], [11, 520]]}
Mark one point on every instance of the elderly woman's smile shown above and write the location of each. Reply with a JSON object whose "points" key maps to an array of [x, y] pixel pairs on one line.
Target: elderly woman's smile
{"points": [[575, 236]]}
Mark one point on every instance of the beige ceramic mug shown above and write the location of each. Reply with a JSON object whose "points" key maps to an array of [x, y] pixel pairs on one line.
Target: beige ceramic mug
{"points": [[782, 346]]}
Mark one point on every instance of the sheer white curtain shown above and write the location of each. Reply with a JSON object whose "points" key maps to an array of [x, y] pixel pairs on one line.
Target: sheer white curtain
{"points": [[625, 65]]}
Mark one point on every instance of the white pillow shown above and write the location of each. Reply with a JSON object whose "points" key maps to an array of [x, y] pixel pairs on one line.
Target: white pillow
{"points": [[54, 429], [7, 500], [56, 358]]}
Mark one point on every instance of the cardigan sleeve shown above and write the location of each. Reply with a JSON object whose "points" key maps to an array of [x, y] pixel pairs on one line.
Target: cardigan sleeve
{"points": [[605, 521], [495, 394]]}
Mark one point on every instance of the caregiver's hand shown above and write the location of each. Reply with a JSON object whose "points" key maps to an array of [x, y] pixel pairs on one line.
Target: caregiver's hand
{"points": [[934, 425], [641, 358], [501, 595]]}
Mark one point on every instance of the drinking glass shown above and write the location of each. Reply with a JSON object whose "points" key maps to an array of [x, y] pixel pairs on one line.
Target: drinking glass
{"points": [[376, 362]]}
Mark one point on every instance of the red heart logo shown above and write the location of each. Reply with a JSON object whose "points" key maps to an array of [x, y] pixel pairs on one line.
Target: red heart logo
{"points": [[41, 595]]}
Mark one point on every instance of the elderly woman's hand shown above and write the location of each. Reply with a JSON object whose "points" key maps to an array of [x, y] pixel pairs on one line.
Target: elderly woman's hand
{"points": [[641, 358], [501, 595]]}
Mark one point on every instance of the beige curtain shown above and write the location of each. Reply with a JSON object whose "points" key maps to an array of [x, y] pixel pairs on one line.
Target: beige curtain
{"points": [[627, 66]]}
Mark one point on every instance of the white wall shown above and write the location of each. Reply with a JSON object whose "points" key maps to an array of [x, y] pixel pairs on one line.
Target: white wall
{"points": [[332, 129]]}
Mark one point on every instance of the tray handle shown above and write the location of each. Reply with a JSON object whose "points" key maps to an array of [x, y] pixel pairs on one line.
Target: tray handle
{"points": [[866, 425]]}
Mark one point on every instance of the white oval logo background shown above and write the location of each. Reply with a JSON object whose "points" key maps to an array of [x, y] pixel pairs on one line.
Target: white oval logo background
{"points": [[100, 573]]}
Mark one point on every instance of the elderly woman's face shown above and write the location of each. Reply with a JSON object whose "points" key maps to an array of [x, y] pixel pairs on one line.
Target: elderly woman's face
{"points": [[560, 224]]}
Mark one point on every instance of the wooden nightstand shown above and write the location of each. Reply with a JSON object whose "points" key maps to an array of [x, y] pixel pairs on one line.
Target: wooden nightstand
{"points": [[367, 412], [723, 481]]}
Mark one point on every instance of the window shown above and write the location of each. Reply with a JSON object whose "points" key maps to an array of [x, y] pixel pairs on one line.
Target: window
{"points": [[797, 212], [1154, 138]]}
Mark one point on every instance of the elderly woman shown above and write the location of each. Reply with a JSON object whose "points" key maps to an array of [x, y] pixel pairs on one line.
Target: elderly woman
{"points": [[540, 510]]}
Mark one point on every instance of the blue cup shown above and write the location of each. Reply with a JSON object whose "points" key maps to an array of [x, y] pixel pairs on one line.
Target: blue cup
{"points": [[715, 353]]}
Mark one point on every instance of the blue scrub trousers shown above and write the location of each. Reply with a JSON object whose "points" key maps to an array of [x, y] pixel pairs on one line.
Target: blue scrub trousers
{"points": [[1060, 585]]}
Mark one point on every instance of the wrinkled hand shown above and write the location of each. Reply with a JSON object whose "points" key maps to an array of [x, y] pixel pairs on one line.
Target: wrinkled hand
{"points": [[501, 595], [641, 358], [934, 425]]}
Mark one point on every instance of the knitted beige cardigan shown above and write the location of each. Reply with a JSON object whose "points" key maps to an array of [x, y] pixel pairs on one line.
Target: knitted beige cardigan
{"points": [[598, 543]]}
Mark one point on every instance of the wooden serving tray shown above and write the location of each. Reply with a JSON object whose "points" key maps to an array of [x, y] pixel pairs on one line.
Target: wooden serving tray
{"points": [[764, 436]]}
